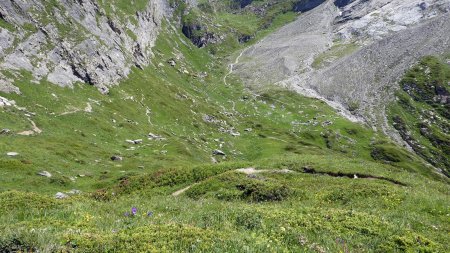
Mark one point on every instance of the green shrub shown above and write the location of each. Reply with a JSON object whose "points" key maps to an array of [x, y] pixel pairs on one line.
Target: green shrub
{"points": [[11, 201], [264, 191], [15, 245], [410, 242], [249, 220], [60, 180]]}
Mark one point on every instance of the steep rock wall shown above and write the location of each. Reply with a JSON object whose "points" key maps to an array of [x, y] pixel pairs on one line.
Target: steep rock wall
{"points": [[68, 41]]}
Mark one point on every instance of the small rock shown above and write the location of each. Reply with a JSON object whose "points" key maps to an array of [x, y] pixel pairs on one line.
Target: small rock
{"points": [[152, 136], [44, 173], [116, 158], [218, 152], [327, 123], [423, 6], [74, 192], [5, 131], [12, 154], [138, 141], [5, 102], [248, 130], [104, 90], [172, 63], [60, 195]]}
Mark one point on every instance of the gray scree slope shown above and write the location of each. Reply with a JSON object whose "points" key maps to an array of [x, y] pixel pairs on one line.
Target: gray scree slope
{"points": [[391, 34]]}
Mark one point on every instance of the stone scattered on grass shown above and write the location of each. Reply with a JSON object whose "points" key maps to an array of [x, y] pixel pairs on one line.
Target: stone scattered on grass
{"points": [[12, 154], [5, 131], [152, 136], [138, 141], [60, 195], [74, 192], [116, 158], [44, 174], [5, 102], [218, 152]]}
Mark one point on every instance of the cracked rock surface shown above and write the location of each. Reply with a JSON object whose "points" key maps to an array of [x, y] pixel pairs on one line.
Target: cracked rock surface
{"points": [[76, 41]]}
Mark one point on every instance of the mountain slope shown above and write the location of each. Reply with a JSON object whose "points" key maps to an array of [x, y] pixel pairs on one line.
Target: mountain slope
{"points": [[181, 157], [317, 51]]}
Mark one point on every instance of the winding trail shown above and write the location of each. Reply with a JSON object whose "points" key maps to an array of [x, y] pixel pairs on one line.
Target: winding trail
{"points": [[231, 65]]}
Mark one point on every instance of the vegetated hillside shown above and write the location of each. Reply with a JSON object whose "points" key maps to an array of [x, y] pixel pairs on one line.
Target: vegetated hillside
{"points": [[421, 112], [221, 26], [181, 157]]}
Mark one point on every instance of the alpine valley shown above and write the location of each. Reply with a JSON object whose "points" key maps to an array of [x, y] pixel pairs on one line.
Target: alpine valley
{"points": [[225, 126]]}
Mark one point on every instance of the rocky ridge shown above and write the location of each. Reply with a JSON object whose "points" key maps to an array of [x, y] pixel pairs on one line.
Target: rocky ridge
{"points": [[75, 41]]}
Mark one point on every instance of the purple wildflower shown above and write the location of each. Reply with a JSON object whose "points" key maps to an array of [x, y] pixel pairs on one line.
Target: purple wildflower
{"points": [[134, 210], [149, 214]]}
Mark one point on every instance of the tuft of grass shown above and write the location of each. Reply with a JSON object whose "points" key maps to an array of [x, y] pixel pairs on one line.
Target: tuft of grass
{"points": [[337, 51]]}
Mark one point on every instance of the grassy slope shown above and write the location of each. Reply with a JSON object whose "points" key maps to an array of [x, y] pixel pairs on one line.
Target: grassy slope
{"points": [[223, 210], [219, 18], [420, 116]]}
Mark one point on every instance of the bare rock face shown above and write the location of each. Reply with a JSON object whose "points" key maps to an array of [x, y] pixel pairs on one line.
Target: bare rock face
{"points": [[306, 5], [76, 41], [376, 19]]}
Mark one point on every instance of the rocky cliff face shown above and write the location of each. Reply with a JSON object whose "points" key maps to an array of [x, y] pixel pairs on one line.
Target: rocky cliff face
{"points": [[69, 41]]}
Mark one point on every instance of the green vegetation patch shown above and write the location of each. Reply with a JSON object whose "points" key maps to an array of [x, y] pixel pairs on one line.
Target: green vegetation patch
{"points": [[337, 51], [421, 112]]}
